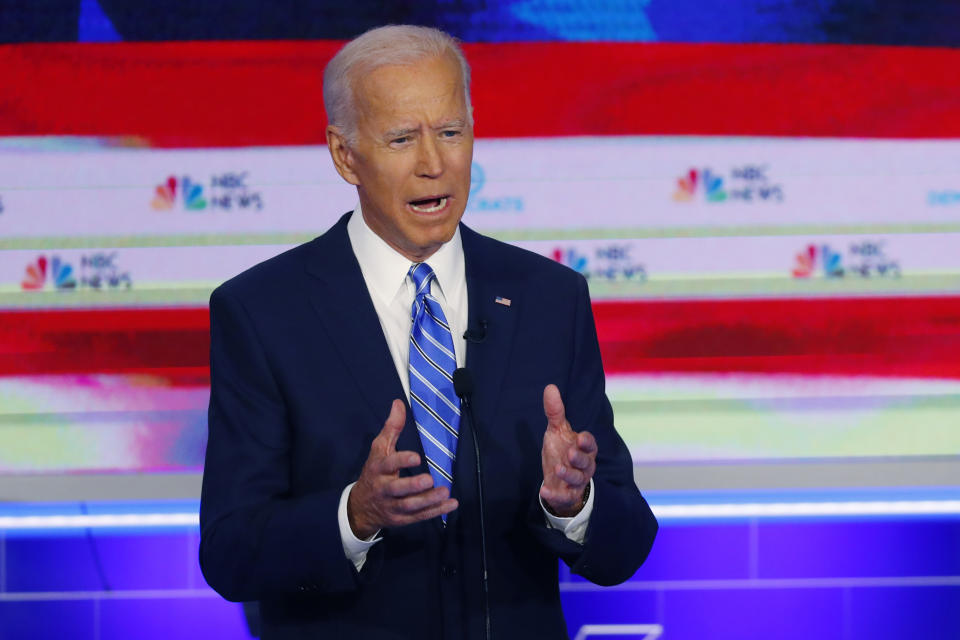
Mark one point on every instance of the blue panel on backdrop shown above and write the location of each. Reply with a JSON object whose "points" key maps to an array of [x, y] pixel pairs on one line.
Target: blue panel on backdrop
{"points": [[100, 562], [147, 562], [200, 618], [73, 619], [739, 580], [753, 614], [879, 613], [51, 564], [681, 554], [859, 549]]}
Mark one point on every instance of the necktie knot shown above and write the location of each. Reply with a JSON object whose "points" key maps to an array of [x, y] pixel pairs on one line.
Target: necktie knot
{"points": [[422, 275]]}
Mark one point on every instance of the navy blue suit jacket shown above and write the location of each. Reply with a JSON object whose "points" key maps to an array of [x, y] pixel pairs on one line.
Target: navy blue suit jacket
{"points": [[302, 381]]}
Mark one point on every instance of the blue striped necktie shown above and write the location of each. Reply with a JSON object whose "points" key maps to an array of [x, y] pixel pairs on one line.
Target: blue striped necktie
{"points": [[436, 408]]}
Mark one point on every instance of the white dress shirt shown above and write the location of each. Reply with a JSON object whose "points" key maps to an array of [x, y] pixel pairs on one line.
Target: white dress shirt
{"points": [[385, 273]]}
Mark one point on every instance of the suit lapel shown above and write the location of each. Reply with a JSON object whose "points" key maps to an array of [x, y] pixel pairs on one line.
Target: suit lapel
{"points": [[346, 312], [488, 359]]}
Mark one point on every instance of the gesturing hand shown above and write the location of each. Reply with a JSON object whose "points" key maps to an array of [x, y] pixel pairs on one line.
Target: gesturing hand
{"points": [[569, 459], [381, 498]]}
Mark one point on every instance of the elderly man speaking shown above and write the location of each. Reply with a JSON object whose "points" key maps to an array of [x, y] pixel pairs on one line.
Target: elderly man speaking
{"points": [[341, 482]]}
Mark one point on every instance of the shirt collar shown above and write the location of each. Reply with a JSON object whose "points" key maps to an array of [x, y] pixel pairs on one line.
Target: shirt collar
{"points": [[385, 270]]}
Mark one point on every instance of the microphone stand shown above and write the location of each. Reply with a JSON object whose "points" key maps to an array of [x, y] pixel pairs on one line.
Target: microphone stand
{"points": [[463, 386]]}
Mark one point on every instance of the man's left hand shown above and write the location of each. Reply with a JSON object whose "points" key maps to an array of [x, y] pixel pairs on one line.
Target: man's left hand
{"points": [[569, 459]]}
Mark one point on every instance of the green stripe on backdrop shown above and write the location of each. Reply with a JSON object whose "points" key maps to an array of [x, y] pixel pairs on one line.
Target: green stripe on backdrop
{"points": [[508, 235]]}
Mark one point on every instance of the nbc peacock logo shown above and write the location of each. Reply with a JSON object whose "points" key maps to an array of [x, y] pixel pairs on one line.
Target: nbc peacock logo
{"points": [[165, 195], [807, 262], [57, 273], [571, 258], [688, 184]]}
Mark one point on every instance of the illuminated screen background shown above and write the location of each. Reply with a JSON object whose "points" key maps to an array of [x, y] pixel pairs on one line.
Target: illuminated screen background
{"points": [[765, 199]]}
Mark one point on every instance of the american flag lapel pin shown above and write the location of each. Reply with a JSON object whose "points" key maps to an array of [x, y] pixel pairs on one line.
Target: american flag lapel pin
{"points": [[501, 300]]}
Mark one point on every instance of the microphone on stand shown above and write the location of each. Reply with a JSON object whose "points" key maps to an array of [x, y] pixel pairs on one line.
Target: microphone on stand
{"points": [[463, 387]]}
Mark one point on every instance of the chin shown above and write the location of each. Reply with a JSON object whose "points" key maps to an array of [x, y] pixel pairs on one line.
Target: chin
{"points": [[426, 244]]}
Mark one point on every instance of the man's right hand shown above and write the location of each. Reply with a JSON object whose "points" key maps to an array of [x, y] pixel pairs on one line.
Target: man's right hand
{"points": [[381, 498]]}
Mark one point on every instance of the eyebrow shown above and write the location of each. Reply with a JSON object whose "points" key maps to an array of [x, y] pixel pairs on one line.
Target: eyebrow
{"points": [[451, 123], [399, 133]]}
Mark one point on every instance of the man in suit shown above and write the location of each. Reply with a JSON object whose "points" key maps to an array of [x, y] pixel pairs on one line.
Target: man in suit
{"points": [[337, 489]]}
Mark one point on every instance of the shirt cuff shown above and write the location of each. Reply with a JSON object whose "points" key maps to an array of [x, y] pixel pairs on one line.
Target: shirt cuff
{"points": [[353, 547], [574, 528]]}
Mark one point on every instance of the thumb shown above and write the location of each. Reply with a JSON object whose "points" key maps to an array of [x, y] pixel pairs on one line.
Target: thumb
{"points": [[394, 425], [553, 407]]}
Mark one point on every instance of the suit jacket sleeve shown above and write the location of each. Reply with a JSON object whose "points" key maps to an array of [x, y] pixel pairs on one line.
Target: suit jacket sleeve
{"points": [[258, 539], [622, 526]]}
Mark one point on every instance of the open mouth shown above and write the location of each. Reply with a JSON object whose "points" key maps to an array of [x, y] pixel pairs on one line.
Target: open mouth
{"points": [[429, 205]]}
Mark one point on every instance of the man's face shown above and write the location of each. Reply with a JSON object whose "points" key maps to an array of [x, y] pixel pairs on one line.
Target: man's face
{"points": [[411, 161]]}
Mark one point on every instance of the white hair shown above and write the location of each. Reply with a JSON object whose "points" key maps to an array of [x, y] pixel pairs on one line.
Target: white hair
{"points": [[390, 45]]}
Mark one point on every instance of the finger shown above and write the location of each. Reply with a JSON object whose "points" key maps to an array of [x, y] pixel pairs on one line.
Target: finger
{"points": [[554, 497], [392, 463], [545, 493], [587, 470], [586, 442], [424, 500], [437, 510], [403, 487], [573, 477], [584, 453], [578, 459], [553, 407], [548, 494], [394, 425]]}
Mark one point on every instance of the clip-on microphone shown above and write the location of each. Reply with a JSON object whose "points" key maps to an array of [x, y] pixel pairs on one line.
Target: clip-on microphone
{"points": [[474, 335]]}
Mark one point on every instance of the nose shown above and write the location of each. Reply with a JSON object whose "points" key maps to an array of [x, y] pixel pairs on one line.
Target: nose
{"points": [[429, 160]]}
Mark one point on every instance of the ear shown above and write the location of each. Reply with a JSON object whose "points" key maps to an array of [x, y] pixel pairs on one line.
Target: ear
{"points": [[343, 158]]}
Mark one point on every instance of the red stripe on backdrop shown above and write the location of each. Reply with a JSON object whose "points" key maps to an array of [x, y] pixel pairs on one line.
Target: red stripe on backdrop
{"points": [[173, 343], [200, 94], [901, 337]]}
